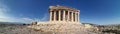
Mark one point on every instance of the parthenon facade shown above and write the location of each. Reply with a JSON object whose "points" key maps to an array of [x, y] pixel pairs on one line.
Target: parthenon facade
{"points": [[63, 14]]}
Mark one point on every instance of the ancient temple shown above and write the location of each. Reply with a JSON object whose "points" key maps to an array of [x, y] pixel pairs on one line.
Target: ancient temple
{"points": [[63, 14]]}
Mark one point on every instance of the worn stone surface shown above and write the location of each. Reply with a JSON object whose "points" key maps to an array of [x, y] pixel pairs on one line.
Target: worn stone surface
{"points": [[47, 28], [62, 28]]}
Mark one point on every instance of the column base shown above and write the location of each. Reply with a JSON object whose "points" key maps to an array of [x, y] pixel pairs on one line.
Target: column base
{"points": [[63, 22]]}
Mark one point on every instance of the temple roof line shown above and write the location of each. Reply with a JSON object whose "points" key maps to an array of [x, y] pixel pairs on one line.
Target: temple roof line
{"points": [[62, 7]]}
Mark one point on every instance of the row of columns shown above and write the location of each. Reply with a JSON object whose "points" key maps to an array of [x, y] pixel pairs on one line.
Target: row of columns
{"points": [[63, 16]]}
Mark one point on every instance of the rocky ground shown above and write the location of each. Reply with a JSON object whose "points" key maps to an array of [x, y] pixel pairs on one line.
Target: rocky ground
{"points": [[62, 28], [19, 29], [57, 29], [109, 28]]}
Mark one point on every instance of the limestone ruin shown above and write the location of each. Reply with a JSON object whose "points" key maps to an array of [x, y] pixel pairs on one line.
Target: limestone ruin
{"points": [[63, 14], [62, 20]]}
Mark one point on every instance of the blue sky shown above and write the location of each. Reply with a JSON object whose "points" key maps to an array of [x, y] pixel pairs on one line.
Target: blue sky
{"points": [[91, 11]]}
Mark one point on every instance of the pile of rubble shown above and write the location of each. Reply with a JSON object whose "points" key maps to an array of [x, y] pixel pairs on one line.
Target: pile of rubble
{"points": [[52, 28], [63, 28]]}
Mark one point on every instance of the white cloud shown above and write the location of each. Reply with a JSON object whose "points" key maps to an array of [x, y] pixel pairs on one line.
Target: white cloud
{"points": [[44, 18], [21, 20], [27, 19], [3, 11], [36, 19], [4, 16]]}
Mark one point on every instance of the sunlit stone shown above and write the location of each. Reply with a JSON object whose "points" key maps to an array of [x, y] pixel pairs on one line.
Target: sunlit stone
{"points": [[63, 14]]}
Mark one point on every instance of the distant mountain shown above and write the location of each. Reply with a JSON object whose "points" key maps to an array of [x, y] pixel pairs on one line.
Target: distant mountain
{"points": [[11, 23]]}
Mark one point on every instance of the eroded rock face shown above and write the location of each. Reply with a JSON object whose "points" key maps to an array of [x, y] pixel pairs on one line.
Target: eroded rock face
{"points": [[20, 29], [34, 23], [48, 28], [62, 28]]}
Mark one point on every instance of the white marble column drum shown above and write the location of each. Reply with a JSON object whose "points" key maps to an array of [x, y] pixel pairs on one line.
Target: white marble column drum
{"points": [[71, 16], [63, 15], [54, 15], [68, 16], [78, 17], [51, 15], [59, 15], [75, 16]]}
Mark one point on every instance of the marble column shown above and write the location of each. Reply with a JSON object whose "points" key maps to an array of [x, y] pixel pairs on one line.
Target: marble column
{"points": [[59, 15], [78, 17], [51, 15], [63, 15], [72, 16], [75, 16], [68, 16], [54, 15]]}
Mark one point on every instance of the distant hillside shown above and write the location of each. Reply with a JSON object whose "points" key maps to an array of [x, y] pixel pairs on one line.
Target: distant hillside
{"points": [[11, 23], [5, 24], [112, 28]]}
